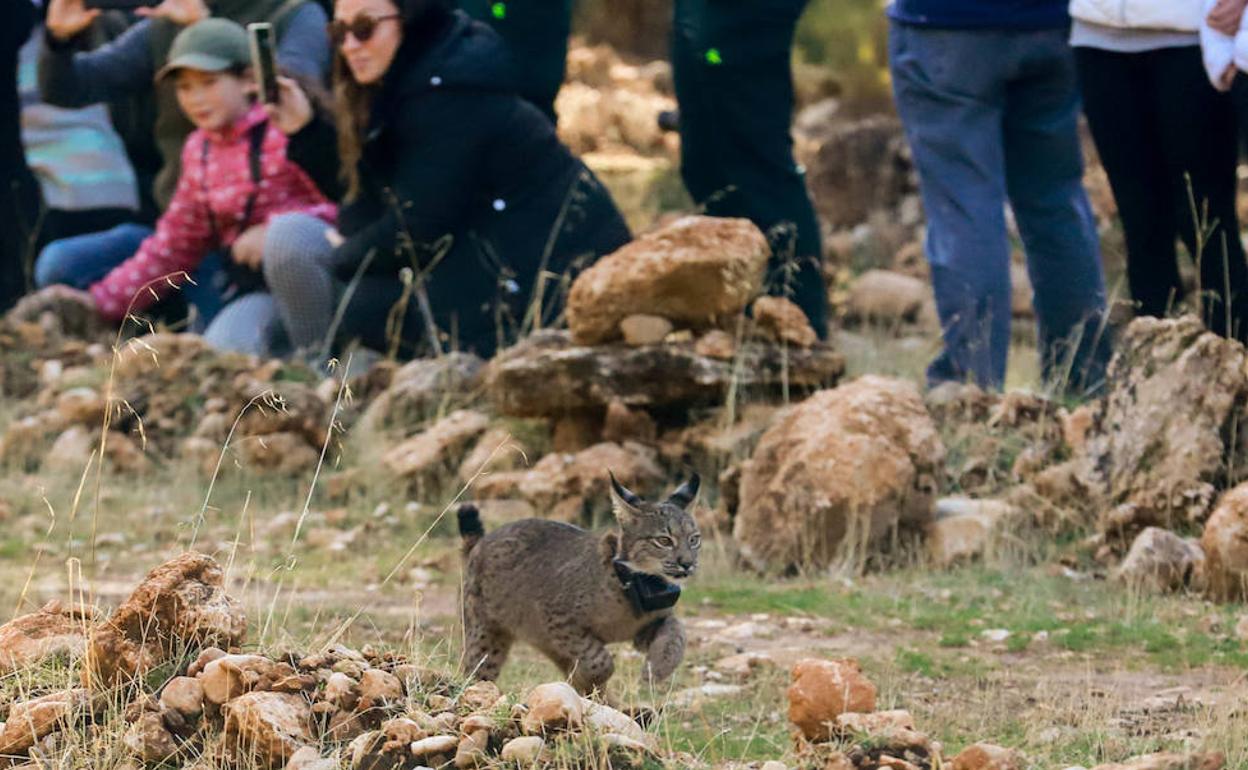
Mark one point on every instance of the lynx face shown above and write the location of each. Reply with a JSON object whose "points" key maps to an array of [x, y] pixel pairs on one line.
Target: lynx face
{"points": [[658, 538]]}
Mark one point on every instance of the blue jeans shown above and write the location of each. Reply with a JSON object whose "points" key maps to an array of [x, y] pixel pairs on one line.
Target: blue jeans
{"points": [[86, 259], [992, 116]]}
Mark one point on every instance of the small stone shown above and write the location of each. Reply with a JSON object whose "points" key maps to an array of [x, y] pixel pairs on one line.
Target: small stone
{"points": [[149, 740], [268, 727], [774, 765], [617, 741], [822, 690], [230, 676], [1241, 628], [435, 746], [986, 756], [641, 330], [553, 706], [472, 750], [342, 691], [745, 665], [480, 695], [605, 719], [308, 758], [783, 320], [524, 750], [717, 344], [184, 695], [379, 689]]}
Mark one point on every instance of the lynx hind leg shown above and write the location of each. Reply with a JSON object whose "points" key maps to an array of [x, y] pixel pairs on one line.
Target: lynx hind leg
{"points": [[485, 647], [663, 644]]}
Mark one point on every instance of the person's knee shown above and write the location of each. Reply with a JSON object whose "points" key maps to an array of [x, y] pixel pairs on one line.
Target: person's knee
{"points": [[52, 264], [287, 243]]}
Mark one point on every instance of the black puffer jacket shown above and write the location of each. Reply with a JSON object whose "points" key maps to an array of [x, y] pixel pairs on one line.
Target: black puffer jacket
{"points": [[454, 158]]}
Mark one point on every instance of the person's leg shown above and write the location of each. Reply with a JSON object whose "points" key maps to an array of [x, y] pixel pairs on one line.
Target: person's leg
{"points": [[249, 324], [1197, 127], [699, 131], [59, 224], [19, 210], [297, 271], [85, 259], [1124, 122], [950, 93], [1044, 177]]}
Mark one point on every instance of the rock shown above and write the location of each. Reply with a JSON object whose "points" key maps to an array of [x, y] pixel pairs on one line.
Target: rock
{"points": [[604, 719], [784, 321], [891, 731], [625, 742], [342, 691], [379, 689], [717, 344], [693, 272], [81, 406], [180, 604], [985, 756], [641, 329], [963, 528], [575, 431], [480, 696], [53, 631], [1158, 440], [822, 690], [472, 748], [885, 296], [421, 387], [149, 740], [1075, 427], [1161, 561], [554, 706], [267, 727], [546, 376], [857, 168], [72, 451], [308, 758], [573, 487], [1241, 628], [403, 731], [1225, 543], [283, 454], [745, 665], [435, 455], [1170, 761], [524, 751], [184, 695], [774, 765], [622, 424], [426, 750], [855, 463], [29, 721], [496, 450], [229, 676]]}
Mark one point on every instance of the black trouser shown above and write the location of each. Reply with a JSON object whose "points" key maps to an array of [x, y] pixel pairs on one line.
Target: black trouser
{"points": [[536, 32], [1158, 123], [734, 81], [19, 213]]}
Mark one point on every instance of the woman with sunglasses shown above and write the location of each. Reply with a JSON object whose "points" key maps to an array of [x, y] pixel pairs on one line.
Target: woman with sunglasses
{"points": [[463, 215]]}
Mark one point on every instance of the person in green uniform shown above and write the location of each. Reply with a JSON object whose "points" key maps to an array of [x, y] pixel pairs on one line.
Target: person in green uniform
{"points": [[536, 33], [732, 67]]}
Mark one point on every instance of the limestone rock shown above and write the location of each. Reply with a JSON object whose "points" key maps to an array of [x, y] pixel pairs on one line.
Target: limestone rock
{"points": [[1225, 543], [524, 750], [891, 731], [149, 740], [180, 603], [308, 758], [53, 631], [547, 376], [1160, 560], [604, 719], [858, 167], [642, 329], [622, 424], [851, 464], [437, 452], [379, 689], [1170, 761], [496, 450], [283, 454], [184, 695], [784, 321], [1158, 439], [822, 690], [963, 528], [31, 720], [472, 748], [480, 696], [551, 707], [985, 756], [885, 296], [573, 487], [428, 751], [693, 272], [717, 344], [268, 727], [229, 676], [419, 388]]}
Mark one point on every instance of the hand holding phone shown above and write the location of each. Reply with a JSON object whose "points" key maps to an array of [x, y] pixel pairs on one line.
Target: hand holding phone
{"points": [[264, 61], [122, 5], [68, 18]]}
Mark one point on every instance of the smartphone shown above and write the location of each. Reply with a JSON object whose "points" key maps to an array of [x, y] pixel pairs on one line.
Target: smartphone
{"points": [[123, 5], [264, 61]]}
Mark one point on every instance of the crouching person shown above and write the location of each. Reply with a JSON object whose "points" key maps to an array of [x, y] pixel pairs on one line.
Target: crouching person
{"points": [[235, 179], [463, 215]]}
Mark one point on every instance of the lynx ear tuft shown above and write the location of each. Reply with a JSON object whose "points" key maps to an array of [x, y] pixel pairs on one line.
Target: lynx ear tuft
{"points": [[625, 504], [686, 493]]}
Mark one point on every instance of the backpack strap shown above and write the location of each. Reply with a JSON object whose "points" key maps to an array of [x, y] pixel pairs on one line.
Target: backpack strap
{"points": [[255, 161]]}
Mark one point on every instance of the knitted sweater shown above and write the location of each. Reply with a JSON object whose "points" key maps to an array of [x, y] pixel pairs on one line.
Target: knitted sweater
{"points": [[208, 212]]}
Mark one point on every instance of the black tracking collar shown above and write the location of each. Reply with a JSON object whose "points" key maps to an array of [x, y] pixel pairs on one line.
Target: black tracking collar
{"points": [[646, 592]]}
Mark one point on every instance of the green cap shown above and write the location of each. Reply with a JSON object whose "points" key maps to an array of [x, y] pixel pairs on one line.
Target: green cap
{"points": [[211, 45]]}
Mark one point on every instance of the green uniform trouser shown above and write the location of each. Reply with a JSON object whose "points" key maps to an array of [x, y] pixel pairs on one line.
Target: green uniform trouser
{"points": [[536, 32], [732, 66]]}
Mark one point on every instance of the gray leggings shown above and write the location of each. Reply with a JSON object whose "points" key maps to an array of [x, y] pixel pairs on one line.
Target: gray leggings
{"points": [[297, 312]]}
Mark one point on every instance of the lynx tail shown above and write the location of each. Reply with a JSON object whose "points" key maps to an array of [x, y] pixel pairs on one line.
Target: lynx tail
{"points": [[470, 528]]}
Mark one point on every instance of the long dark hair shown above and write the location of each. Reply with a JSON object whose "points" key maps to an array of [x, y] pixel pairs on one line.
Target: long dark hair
{"points": [[353, 102]]}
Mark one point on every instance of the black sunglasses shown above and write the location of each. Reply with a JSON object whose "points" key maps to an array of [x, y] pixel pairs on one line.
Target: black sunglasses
{"points": [[361, 28]]}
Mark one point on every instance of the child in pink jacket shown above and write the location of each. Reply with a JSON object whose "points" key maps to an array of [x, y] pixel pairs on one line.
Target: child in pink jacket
{"points": [[235, 177]]}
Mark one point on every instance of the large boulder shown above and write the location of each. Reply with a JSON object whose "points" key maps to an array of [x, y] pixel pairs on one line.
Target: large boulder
{"points": [[1160, 561], [53, 631], [1225, 543], [548, 376], [845, 467], [181, 604], [695, 272], [1162, 437]]}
